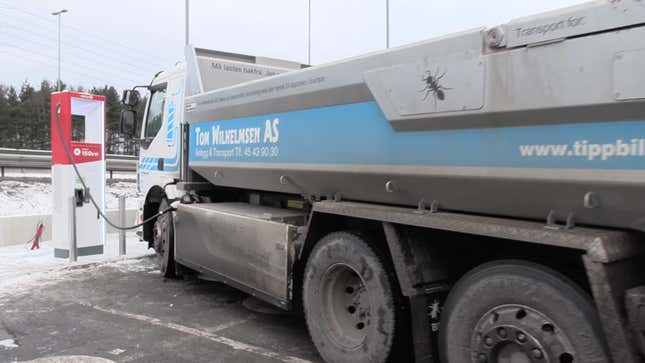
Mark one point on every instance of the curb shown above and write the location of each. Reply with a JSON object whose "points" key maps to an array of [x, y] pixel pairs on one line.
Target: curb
{"points": [[85, 265]]}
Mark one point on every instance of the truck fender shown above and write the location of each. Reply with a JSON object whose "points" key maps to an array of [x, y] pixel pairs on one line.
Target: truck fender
{"points": [[150, 208], [420, 267]]}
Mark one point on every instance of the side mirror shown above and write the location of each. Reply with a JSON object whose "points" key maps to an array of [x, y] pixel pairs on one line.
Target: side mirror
{"points": [[128, 122], [130, 97]]}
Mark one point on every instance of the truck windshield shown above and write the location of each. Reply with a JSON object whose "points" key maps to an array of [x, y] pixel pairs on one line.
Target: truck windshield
{"points": [[155, 112]]}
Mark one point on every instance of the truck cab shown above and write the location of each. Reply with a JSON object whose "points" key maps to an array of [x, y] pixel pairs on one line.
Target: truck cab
{"points": [[159, 141], [159, 133], [158, 157]]}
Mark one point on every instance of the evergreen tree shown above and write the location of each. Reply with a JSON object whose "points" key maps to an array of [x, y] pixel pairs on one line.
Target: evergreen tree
{"points": [[4, 115], [25, 117], [42, 104], [27, 122]]}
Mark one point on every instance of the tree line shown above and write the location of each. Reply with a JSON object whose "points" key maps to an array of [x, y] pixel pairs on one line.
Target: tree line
{"points": [[25, 117]]}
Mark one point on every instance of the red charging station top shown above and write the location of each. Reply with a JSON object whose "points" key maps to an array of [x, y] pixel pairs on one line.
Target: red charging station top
{"points": [[82, 152]]}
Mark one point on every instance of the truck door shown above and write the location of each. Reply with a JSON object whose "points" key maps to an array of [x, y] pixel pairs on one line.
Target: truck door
{"points": [[158, 158]]}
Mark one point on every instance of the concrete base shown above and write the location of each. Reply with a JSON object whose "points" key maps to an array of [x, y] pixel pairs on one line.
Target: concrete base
{"points": [[81, 251]]}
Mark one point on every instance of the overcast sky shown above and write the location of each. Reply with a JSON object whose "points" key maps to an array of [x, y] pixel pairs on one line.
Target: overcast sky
{"points": [[124, 43]]}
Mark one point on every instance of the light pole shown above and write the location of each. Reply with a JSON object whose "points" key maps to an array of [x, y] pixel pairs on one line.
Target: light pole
{"points": [[59, 13], [309, 34], [387, 23], [187, 21]]}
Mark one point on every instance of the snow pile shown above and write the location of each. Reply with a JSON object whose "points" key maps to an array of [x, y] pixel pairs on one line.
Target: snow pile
{"points": [[27, 173], [35, 197], [8, 344], [129, 189], [21, 198]]}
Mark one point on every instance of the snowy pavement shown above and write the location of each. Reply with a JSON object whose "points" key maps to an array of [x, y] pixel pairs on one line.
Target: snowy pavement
{"points": [[22, 268], [124, 311]]}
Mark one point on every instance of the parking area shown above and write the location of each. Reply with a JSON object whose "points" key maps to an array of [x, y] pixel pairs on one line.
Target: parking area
{"points": [[123, 311]]}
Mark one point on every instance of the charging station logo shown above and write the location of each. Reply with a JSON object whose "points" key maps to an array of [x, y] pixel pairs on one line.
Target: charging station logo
{"points": [[86, 152]]}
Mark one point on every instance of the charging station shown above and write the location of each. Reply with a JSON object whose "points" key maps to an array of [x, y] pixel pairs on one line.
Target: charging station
{"points": [[81, 118]]}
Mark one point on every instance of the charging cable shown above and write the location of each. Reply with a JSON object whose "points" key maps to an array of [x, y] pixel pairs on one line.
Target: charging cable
{"points": [[80, 178]]}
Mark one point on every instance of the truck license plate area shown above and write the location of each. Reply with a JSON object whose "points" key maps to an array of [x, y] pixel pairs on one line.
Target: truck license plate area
{"points": [[248, 246]]}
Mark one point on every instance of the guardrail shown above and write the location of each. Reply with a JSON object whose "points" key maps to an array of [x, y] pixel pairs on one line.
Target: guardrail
{"points": [[41, 159]]}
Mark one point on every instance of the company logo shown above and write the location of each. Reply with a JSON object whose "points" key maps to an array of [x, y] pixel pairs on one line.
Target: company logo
{"points": [[90, 153], [433, 87], [85, 152], [239, 136]]}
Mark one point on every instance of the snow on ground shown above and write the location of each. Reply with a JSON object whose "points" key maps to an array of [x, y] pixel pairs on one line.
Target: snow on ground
{"points": [[8, 344], [22, 269], [28, 197], [25, 198], [27, 173], [129, 189], [46, 173]]}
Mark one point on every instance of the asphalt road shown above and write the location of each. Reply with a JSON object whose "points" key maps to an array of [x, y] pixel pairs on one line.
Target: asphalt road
{"points": [[125, 312]]}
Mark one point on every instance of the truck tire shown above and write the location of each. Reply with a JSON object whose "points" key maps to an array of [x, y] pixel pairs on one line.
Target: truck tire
{"points": [[163, 234], [516, 311], [349, 301]]}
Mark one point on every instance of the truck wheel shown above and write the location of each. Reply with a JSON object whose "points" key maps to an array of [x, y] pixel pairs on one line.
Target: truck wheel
{"points": [[164, 241], [519, 312], [348, 301]]}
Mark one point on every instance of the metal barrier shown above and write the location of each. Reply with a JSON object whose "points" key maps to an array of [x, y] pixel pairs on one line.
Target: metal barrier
{"points": [[41, 159]]}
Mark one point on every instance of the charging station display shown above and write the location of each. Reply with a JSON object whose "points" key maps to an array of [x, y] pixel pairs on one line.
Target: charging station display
{"points": [[81, 118]]}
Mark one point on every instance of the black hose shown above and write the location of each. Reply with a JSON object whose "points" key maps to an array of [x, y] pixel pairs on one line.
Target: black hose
{"points": [[78, 174]]}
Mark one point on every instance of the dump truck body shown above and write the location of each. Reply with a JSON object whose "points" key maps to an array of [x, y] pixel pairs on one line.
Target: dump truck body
{"points": [[538, 128]]}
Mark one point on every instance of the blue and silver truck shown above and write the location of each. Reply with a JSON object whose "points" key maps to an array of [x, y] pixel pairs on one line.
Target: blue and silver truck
{"points": [[478, 197]]}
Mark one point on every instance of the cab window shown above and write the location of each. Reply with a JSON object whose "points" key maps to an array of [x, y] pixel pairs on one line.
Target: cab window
{"points": [[155, 112]]}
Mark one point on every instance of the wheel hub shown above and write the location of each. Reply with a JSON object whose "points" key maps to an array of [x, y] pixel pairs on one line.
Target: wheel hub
{"points": [[157, 236], [347, 310], [519, 334]]}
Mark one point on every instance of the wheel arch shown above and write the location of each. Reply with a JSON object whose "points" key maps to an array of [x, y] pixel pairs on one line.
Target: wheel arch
{"points": [[323, 224], [430, 259], [150, 208], [371, 232]]}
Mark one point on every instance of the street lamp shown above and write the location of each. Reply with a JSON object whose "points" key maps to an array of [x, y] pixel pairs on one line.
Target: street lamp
{"points": [[387, 23], [309, 34], [187, 10], [59, 13]]}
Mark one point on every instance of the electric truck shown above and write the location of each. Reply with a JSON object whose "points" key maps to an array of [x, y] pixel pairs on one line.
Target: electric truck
{"points": [[478, 197]]}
